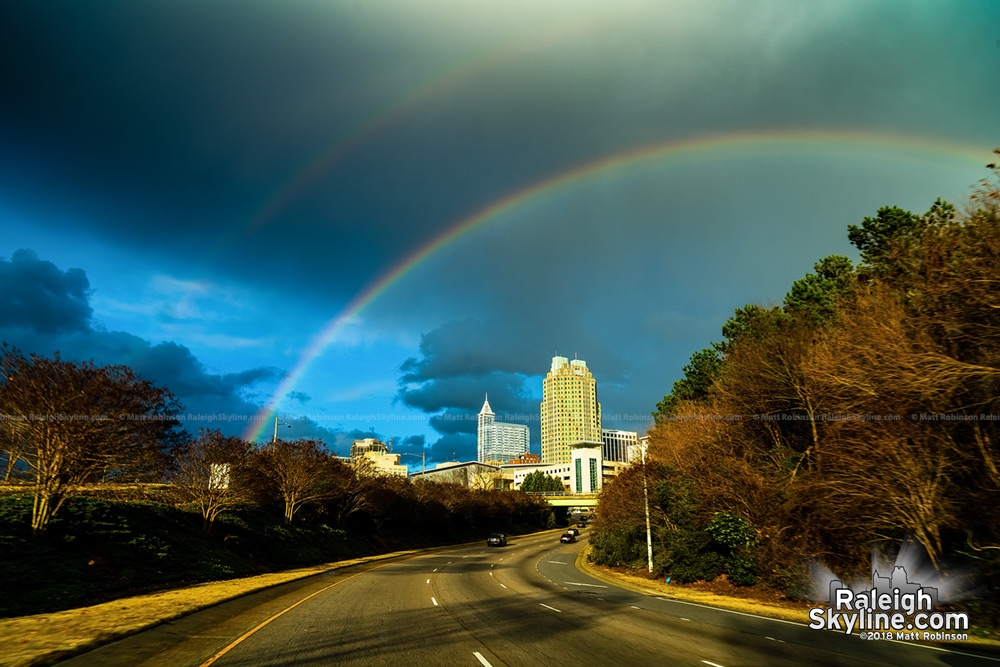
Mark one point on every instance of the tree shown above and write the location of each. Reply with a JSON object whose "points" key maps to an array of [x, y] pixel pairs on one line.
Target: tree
{"points": [[815, 296], [78, 419], [699, 375], [208, 472], [875, 235], [301, 470], [749, 323], [539, 482], [13, 444], [348, 496]]}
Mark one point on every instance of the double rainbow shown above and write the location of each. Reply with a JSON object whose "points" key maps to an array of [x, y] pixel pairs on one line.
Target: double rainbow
{"points": [[804, 142]]}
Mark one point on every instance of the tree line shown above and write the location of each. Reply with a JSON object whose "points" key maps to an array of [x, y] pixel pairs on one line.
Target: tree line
{"points": [[65, 424], [863, 410]]}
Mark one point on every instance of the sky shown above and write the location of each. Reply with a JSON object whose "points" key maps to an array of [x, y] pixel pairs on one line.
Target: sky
{"points": [[361, 217]]}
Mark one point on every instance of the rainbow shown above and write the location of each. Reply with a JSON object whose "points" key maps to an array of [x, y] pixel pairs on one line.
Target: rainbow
{"points": [[806, 142]]}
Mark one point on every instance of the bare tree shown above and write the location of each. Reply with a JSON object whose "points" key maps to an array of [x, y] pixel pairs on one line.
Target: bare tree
{"points": [[78, 420], [348, 495], [208, 471], [302, 471]]}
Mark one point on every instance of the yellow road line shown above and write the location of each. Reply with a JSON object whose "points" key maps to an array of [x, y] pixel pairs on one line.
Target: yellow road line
{"points": [[239, 640]]}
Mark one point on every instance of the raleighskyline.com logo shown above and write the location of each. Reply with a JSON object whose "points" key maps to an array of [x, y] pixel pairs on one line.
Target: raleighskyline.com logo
{"points": [[893, 608]]}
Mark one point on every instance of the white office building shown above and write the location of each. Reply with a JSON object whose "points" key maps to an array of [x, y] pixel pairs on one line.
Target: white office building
{"points": [[499, 442], [616, 444]]}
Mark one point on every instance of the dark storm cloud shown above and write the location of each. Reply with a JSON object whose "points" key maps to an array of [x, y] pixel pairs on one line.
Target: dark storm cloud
{"points": [[455, 421], [412, 451], [455, 447], [35, 294], [51, 313], [468, 347], [168, 127], [507, 391], [462, 362], [216, 400]]}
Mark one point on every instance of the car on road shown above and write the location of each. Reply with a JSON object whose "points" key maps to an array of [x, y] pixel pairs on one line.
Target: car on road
{"points": [[574, 531], [496, 540], [581, 524], [567, 538]]}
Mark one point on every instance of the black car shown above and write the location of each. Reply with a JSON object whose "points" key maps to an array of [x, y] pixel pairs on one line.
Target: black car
{"points": [[567, 537], [496, 540]]}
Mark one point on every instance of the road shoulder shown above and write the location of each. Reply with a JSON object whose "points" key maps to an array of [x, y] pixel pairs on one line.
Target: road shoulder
{"points": [[42, 639]]}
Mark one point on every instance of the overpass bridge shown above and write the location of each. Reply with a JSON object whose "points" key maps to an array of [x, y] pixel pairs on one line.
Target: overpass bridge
{"points": [[567, 499]]}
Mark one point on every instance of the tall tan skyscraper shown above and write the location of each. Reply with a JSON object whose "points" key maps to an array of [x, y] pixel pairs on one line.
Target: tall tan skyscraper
{"points": [[570, 411]]}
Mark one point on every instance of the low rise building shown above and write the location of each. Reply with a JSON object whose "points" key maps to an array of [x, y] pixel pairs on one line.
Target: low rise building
{"points": [[471, 474], [585, 472], [371, 456], [616, 444]]}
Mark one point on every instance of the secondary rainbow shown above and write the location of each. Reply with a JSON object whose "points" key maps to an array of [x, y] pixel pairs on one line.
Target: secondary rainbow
{"points": [[705, 147], [400, 106]]}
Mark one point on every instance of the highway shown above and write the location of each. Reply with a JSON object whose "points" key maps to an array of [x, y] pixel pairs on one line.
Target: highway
{"points": [[523, 604]]}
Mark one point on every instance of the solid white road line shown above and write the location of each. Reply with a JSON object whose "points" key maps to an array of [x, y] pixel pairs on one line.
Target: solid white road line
{"points": [[435, 602], [486, 663], [573, 583], [558, 562], [548, 607]]}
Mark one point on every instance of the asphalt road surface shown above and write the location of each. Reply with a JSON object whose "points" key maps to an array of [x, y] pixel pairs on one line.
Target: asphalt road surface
{"points": [[523, 604]]}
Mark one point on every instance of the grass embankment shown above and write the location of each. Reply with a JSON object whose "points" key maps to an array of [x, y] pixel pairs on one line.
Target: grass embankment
{"points": [[98, 550], [43, 638], [40, 639], [720, 593]]}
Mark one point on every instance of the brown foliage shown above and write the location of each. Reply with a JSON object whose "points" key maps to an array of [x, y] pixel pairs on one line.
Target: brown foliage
{"points": [[872, 427], [73, 422]]}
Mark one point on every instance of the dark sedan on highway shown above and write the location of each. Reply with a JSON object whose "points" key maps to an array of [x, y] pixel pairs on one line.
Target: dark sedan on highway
{"points": [[567, 537]]}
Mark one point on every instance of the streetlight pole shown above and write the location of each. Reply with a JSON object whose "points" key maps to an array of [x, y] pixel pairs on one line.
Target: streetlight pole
{"points": [[645, 495], [423, 459], [276, 429]]}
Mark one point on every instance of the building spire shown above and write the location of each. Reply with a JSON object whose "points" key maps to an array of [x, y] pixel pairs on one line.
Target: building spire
{"points": [[487, 410]]}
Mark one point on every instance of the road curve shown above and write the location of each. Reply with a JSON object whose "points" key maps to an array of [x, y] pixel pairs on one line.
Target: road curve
{"points": [[523, 604]]}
